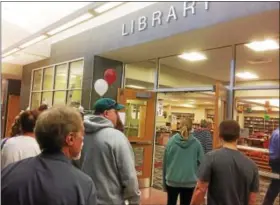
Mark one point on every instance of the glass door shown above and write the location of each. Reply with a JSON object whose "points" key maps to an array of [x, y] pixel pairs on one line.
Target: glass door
{"points": [[220, 112], [139, 116]]}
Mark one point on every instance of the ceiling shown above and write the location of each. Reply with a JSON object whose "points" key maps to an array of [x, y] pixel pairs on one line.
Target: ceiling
{"points": [[30, 17], [22, 19], [257, 27]]}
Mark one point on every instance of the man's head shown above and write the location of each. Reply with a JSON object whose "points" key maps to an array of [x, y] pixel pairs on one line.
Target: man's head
{"points": [[108, 108], [60, 129], [229, 130], [27, 121]]}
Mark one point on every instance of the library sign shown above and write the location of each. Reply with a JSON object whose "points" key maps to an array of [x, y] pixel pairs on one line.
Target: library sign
{"points": [[159, 17]]}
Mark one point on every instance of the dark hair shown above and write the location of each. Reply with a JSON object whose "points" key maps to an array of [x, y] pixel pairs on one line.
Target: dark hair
{"points": [[28, 120], [229, 130], [54, 125], [16, 127], [43, 107]]}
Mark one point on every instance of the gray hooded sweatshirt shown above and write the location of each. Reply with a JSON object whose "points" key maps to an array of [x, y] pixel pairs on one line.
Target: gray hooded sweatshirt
{"points": [[108, 158]]}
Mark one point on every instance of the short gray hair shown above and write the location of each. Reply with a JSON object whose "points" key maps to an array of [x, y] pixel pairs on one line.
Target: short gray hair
{"points": [[54, 125]]}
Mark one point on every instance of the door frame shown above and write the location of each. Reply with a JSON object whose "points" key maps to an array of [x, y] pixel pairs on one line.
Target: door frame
{"points": [[147, 142]]}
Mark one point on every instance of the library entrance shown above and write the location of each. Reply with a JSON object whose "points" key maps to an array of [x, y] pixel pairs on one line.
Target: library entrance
{"points": [[151, 118]]}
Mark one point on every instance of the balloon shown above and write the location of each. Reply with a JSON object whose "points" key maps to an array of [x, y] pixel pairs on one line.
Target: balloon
{"points": [[101, 87], [110, 76]]}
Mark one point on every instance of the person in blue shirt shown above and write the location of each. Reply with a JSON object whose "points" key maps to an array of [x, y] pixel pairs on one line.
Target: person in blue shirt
{"points": [[274, 161]]}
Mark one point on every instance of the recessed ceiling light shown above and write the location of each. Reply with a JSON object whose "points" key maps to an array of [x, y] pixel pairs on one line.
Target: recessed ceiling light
{"points": [[265, 45], [33, 41], [193, 56], [10, 52], [247, 75], [107, 6]]}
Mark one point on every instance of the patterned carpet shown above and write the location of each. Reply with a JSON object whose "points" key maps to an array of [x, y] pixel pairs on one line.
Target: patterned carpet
{"points": [[157, 179]]}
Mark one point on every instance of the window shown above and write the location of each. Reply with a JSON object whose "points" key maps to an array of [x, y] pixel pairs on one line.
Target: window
{"points": [[196, 69], [257, 64], [57, 84]]}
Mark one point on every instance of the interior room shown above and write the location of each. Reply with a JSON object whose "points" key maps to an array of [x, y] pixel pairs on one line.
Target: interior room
{"points": [[173, 107]]}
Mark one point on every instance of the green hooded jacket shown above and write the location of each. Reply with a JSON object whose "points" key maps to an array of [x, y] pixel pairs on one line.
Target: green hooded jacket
{"points": [[181, 161]]}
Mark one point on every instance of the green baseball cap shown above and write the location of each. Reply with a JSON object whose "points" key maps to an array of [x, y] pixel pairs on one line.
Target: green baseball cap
{"points": [[106, 104]]}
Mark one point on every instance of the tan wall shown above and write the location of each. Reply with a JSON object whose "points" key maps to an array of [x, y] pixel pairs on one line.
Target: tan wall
{"points": [[11, 71], [170, 77]]}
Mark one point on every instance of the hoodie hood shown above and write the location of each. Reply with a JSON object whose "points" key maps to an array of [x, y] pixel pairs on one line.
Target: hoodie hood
{"points": [[179, 140], [94, 123]]}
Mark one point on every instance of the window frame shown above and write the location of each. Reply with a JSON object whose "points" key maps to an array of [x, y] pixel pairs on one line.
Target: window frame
{"points": [[53, 90]]}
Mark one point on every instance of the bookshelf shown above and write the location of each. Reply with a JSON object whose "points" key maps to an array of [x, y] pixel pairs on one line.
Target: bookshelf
{"points": [[259, 124]]}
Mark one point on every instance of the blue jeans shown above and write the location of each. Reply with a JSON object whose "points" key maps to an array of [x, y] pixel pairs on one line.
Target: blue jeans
{"points": [[274, 187]]}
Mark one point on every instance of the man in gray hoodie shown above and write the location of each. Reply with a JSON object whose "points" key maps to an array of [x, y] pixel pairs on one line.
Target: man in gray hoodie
{"points": [[107, 156]]}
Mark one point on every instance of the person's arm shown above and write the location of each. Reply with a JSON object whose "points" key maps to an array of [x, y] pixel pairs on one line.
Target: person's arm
{"points": [[208, 143], [204, 178], [9, 155], [126, 166], [199, 193], [200, 154], [92, 198], [254, 187]]}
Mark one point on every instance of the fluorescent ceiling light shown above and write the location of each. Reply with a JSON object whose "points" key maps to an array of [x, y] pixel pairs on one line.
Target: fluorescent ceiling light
{"points": [[8, 58], [35, 40], [107, 6], [265, 45], [272, 102], [135, 86], [71, 23], [194, 56], [247, 75], [188, 105], [10, 52]]}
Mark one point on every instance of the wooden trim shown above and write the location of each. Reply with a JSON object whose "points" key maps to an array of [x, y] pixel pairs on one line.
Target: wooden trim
{"points": [[145, 142], [12, 111]]}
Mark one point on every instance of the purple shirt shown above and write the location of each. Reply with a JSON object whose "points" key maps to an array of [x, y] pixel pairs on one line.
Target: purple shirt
{"points": [[274, 145]]}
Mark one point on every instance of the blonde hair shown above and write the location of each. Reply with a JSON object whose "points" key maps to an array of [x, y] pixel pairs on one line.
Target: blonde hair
{"points": [[185, 127]]}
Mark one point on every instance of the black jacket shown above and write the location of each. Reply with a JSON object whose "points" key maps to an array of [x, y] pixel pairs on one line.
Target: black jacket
{"points": [[48, 179]]}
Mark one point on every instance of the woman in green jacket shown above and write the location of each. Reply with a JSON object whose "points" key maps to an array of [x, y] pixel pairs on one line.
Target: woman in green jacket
{"points": [[182, 157]]}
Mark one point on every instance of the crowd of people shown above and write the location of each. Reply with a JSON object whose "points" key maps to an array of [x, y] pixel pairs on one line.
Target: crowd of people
{"points": [[58, 156]]}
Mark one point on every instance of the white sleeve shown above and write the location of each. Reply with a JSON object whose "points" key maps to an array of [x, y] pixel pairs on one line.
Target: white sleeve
{"points": [[9, 155]]}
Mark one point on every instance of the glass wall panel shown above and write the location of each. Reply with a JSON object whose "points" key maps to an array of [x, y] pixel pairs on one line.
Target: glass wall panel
{"points": [[35, 100], [37, 77], [58, 81], [140, 75], [172, 107], [59, 98], [47, 98], [257, 64], [196, 69], [74, 97], [76, 74], [61, 75], [48, 79], [257, 112]]}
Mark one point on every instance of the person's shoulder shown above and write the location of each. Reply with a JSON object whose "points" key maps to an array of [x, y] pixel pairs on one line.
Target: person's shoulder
{"points": [[81, 176], [248, 161], [21, 165]]}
